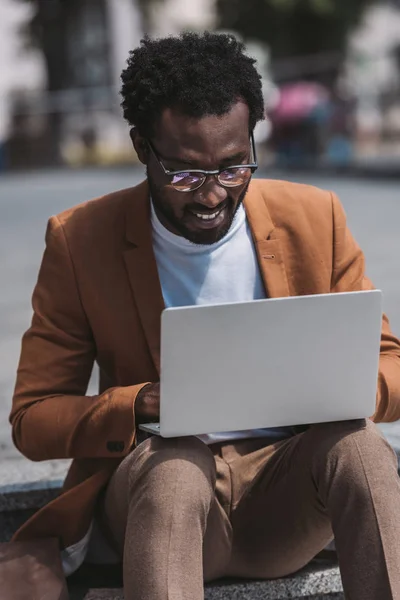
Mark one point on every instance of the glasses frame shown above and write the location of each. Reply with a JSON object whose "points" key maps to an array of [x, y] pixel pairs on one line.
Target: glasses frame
{"points": [[252, 166]]}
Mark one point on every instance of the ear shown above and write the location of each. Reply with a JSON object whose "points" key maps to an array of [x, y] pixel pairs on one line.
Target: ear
{"points": [[140, 145]]}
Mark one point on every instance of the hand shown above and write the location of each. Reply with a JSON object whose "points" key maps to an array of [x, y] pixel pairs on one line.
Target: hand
{"points": [[147, 404]]}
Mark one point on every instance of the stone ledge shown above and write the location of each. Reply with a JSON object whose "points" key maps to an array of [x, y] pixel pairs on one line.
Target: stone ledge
{"points": [[25, 484], [316, 582], [28, 497]]}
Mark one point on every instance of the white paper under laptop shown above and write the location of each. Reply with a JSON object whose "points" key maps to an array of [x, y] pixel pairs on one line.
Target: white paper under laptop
{"points": [[268, 363]]}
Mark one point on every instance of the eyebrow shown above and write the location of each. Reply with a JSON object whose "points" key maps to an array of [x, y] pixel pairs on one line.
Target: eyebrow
{"points": [[231, 159]]}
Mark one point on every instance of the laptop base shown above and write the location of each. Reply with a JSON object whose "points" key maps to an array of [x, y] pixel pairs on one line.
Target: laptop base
{"points": [[153, 428]]}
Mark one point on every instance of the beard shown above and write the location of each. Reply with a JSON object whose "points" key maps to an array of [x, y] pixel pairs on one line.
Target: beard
{"points": [[177, 224]]}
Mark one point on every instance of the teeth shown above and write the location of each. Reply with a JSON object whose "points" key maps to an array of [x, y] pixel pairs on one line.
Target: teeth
{"points": [[208, 217]]}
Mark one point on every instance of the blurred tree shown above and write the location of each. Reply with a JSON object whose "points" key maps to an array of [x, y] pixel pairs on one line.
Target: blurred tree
{"points": [[73, 38], [146, 8], [47, 30], [293, 28]]}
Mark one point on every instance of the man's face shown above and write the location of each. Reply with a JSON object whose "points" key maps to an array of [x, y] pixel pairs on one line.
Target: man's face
{"points": [[209, 143]]}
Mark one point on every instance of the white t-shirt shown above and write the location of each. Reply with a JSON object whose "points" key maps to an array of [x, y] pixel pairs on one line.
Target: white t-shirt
{"points": [[227, 271]]}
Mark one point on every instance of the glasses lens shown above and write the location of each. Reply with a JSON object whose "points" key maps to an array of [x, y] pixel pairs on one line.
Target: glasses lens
{"points": [[186, 181], [234, 176]]}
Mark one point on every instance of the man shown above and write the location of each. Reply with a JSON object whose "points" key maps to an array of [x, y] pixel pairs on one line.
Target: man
{"points": [[199, 230]]}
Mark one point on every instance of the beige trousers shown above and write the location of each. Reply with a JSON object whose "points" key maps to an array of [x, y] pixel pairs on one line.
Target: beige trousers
{"points": [[181, 512]]}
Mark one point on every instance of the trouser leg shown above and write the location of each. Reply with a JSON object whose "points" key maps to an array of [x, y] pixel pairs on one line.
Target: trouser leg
{"points": [[335, 479], [165, 518]]}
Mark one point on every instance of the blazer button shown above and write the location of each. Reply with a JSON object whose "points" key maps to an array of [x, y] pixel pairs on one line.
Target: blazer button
{"points": [[115, 446]]}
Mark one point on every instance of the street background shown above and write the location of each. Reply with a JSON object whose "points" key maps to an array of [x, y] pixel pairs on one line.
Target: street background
{"points": [[331, 81], [330, 72]]}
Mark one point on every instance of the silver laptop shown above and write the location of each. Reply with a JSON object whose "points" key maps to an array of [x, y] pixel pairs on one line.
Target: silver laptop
{"points": [[268, 363]]}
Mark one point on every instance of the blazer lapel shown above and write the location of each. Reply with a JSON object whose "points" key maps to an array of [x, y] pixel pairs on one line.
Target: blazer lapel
{"points": [[268, 245], [142, 269]]}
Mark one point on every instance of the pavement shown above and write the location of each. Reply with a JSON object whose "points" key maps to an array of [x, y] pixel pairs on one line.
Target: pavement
{"points": [[28, 199]]}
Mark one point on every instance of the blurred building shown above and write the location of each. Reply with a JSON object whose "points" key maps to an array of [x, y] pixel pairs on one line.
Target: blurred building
{"points": [[67, 97]]}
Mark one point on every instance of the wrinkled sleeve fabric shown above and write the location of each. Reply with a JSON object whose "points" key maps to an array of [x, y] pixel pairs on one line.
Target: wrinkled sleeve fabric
{"points": [[348, 274], [51, 416]]}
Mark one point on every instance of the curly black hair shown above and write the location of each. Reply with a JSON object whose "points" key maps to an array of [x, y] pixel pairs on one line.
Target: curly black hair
{"points": [[199, 74]]}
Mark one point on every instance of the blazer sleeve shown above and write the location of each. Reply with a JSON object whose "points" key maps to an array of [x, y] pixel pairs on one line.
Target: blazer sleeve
{"points": [[51, 416], [348, 274]]}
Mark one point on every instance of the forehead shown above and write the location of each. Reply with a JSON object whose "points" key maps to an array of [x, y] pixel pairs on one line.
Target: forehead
{"points": [[207, 138]]}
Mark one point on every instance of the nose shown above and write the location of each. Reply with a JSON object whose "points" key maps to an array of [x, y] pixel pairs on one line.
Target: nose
{"points": [[211, 194]]}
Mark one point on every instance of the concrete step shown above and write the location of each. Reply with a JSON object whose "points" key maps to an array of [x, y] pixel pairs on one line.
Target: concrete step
{"points": [[26, 485], [320, 580], [115, 594], [315, 583]]}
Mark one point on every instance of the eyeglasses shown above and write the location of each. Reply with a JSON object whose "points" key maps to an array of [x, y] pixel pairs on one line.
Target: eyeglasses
{"points": [[189, 180]]}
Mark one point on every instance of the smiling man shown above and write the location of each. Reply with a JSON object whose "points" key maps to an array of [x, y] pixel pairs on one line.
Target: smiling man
{"points": [[178, 512]]}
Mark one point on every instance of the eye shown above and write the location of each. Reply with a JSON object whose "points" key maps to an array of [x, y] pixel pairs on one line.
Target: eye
{"points": [[230, 172], [185, 177], [187, 181], [235, 176]]}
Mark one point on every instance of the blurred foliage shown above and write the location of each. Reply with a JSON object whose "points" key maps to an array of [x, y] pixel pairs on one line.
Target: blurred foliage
{"points": [[293, 27], [288, 27], [146, 8], [47, 31]]}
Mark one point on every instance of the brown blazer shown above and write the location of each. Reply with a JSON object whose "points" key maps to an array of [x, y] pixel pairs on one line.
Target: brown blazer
{"points": [[98, 298]]}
